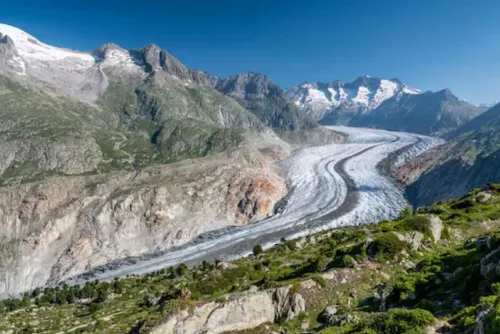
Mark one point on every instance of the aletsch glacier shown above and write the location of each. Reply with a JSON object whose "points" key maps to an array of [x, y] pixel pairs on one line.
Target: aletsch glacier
{"points": [[65, 226], [330, 186]]}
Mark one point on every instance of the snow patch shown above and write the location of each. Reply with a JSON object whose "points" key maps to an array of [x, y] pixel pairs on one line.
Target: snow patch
{"points": [[363, 96]]}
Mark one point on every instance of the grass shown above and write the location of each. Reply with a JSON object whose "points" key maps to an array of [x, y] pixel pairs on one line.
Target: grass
{"points": [[439, 275]]}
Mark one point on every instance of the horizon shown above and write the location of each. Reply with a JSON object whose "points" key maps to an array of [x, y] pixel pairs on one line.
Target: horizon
{"points": [[443, 56]]}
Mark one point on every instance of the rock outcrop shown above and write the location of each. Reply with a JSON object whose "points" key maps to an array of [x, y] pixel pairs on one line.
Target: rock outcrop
{"points": [[490, 265], [63, 226], [413, 239], [242, 311], [436, 227]]}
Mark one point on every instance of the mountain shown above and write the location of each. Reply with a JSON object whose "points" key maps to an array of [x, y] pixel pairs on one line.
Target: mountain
{"points": [[435, 113], [124, 108], [257, 93], [339, 101], [469, 160], [117, 153], [380, 103]]}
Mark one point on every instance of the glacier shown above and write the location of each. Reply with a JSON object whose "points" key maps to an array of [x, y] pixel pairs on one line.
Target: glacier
{"points": [[329, 186]]}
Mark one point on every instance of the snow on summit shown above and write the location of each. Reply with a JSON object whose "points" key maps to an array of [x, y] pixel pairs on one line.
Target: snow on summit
{"points": [[365, 93], [80, 74], [31, 48]]}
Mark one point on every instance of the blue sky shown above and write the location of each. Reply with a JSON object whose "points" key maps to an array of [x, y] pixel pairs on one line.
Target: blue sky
{"points": [[428, 44]]}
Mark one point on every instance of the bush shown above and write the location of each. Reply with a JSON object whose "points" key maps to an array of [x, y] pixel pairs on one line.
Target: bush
{"points": [[405, 214], [387, 245], [320, 264], [463, 204], [348, 262], [181, 269], [257, 250], [402, 321], [94, 307], [418, 223]]}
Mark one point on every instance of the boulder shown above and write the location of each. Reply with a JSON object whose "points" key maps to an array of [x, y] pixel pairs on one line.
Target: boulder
{"points": [[490, 265], [483, 197], [327, 315], [436, 227], [413, 239]]}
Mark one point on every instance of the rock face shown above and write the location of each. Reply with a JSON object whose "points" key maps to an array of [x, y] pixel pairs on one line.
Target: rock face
{"points": [[269, 103], [63, 226], [436, 227], [471, 160], [240, 312], [490, 265], [432, 113]]}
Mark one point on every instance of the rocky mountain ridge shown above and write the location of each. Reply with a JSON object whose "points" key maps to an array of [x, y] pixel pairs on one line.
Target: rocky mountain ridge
{"points": [[381, 103], [362, 95], [256, 92], [469, 160]]}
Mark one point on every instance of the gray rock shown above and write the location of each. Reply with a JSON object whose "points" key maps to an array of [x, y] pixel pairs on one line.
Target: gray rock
{"points": [[490, 265], [483, 196], [413, 239], [482, 324], [240, 312], [327, 314], [436, 227]]}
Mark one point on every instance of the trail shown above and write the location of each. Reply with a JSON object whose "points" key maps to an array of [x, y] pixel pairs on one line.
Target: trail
{"points": [[331, 185]]}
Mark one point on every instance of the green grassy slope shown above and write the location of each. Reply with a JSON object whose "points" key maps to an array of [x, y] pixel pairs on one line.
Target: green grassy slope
{"points": [[441, 282]]}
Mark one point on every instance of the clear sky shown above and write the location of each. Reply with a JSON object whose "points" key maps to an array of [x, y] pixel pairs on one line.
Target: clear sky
{"points": [[428, 44]]}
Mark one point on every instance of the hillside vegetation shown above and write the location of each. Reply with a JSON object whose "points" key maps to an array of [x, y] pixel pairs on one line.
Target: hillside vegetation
{"points": [[437, 267]]}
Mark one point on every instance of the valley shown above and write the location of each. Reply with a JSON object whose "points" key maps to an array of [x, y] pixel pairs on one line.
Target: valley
{"points": [[140, 195], [329, 186]]}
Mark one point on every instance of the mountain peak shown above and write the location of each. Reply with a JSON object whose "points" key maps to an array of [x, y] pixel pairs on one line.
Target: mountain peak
{"points": [[31, 48], [101, 52], [364, 94], [16, 34], [446, 93]]}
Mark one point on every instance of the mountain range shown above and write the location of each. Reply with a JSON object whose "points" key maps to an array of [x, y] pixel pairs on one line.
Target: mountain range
{"points": [[385, 104], [119, 153]]}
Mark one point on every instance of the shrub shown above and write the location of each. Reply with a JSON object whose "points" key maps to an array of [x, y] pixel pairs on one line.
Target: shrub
{"points": [[427, 305], [181, 269], [446, 234], [257, 250], [495, 215], [418, 223], [401, 321], [495, 287], [348, 262], [387, 245], [405, 214], [463, 204], [295, 288], [320, 264], [94, 307]]}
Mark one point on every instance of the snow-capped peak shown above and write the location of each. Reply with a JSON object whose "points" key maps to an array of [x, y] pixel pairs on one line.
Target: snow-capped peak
{"points": [[29, 47], [79, 74], [364, 94]]}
